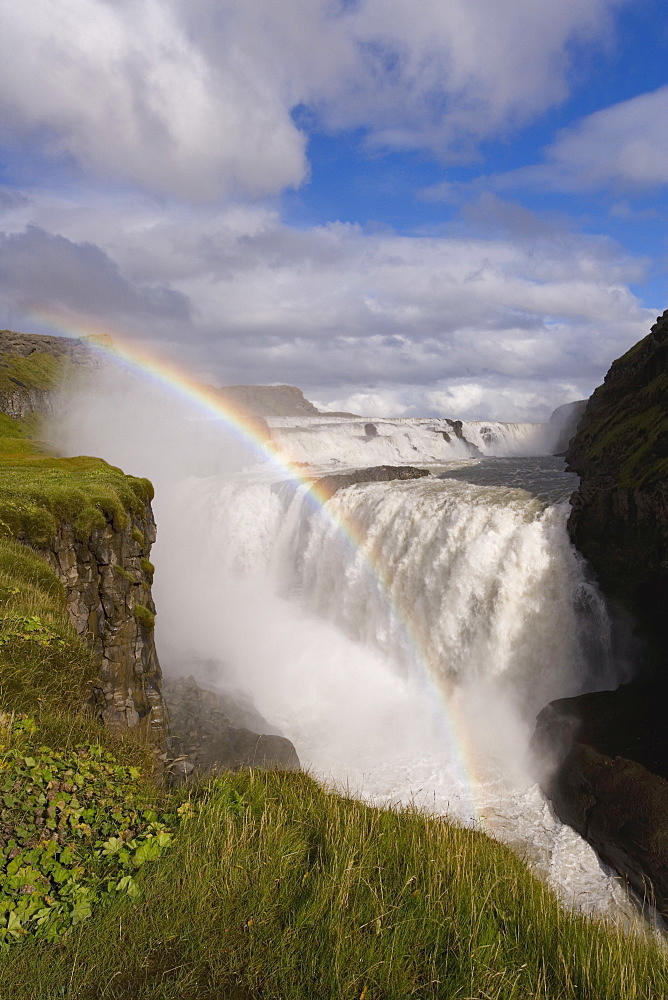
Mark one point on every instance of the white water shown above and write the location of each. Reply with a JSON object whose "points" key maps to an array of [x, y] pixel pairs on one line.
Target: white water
{"points": [[419, 687], [326, 442]]}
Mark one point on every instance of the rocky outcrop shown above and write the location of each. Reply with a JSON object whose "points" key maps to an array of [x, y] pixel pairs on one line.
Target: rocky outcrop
{"points": [[31, 368], [108, 583], [206, 735], [270, 400], [620, 513], [327, 486], [607, 765], [458, 431], [609, 750]]}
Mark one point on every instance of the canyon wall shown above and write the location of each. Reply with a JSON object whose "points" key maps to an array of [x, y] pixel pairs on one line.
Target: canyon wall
{"points": [[107, 578], [611, 748]]}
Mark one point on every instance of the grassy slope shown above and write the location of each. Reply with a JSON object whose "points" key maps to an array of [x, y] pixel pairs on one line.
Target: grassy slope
{"points": [[625, 431], [280, 890], [277, 889]]}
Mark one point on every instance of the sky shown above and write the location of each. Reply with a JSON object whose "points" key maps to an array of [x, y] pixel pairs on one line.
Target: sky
{"points": [[405, 207]]}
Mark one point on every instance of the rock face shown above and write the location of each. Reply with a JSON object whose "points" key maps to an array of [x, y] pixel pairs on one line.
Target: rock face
{"points": [[609, 783], [206, 737], [327, 486], [108, 584], [270, 400], [31, 366], [611, 748], [620, 513]]}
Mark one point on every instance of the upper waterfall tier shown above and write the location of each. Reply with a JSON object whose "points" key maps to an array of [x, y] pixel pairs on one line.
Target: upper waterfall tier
{"points": [[350, 443]]}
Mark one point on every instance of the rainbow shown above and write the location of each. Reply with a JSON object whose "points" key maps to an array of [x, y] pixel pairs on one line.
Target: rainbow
{"points": [[207, 400]]}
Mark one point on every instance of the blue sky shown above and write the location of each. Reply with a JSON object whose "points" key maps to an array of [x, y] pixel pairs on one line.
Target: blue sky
{"points": [[403, 207]]}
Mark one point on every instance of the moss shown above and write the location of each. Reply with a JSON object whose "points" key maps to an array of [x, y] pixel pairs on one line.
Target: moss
{"points": [[124, 573], [148, 569], [138, 537], [145, 617], [38, 492]]}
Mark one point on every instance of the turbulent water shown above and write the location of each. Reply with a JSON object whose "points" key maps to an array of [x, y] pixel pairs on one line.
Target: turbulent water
{"points": [[404, 635], [408, 664]]}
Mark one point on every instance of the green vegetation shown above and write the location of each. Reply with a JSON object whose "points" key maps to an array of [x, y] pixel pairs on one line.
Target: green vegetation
{"points": [[74, 830], [280, 890], [145, 617], [148, 569], [626, 431], [38, 492], [42, 659], [36, 371]]}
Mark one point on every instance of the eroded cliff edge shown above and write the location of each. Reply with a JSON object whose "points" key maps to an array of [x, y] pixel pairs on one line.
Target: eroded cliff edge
{"points": [[611, 748]]}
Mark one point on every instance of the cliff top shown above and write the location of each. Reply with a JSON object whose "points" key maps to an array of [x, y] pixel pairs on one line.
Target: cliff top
{"points": [[624, 433], [270, 400]]}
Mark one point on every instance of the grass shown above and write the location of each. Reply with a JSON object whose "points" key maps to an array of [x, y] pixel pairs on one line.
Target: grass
{"points": [[39, 492], [42, 659], [36, 371], [626, 431], [280, 890]]}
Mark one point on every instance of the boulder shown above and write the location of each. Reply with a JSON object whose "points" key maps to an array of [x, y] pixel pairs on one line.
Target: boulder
{"points": [[205, 739]]}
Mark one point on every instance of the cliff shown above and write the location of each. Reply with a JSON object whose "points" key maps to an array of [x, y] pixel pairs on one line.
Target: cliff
{"points": [[270, 400], [620, 512], [107, 579], [32, 367], [607, 752], [94, 527]]}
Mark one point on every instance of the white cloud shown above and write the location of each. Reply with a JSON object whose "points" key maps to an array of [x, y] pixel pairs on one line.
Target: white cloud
{"points": [[624, 144], [623, 147], [195, 99], [338, 310]]}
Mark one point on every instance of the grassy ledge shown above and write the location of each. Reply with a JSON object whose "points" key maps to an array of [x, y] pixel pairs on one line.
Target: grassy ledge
{"points": [[39, 492]]}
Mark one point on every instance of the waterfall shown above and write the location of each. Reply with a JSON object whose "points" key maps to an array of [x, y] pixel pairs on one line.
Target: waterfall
{"points": [[344, 442], [403, 635]]}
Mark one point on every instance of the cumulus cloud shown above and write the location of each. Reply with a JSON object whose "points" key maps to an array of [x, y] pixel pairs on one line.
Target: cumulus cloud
{"points": [[196, 99], [624, 144], [622, 147], [361, 320]]}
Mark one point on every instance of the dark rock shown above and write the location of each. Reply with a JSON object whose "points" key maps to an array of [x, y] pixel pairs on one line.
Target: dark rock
{"points": [[609, 750], [328, 485], [445, 436], [204, 737], [457, 428], [107, 579], [371, 430], [619, 519], [458, 431], [605, 758]]}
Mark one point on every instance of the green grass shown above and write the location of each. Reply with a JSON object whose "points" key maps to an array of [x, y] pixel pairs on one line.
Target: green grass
{"points": [[280, 890], [42, 659], [36, 371], [39, 492]]}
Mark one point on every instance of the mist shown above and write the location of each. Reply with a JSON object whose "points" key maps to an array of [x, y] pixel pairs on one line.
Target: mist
{"points": [[413, 683]]}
